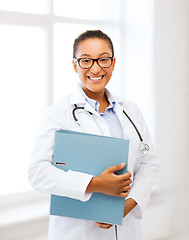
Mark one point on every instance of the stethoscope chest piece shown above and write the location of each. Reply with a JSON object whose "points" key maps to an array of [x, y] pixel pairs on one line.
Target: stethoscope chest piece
{"points": [[144, 148]]}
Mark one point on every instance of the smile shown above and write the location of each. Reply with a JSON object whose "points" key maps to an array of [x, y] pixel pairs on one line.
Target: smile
{"points": [[96, 79]]}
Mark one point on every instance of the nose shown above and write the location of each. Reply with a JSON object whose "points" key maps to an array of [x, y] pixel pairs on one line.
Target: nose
{"points": [[95, 68]]}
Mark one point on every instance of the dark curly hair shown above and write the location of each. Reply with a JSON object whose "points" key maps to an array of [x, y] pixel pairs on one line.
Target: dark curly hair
{"points": [[91, 34]]}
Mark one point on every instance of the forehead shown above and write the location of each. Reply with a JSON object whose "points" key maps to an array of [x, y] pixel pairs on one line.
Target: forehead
{"points": [[93, 47]]}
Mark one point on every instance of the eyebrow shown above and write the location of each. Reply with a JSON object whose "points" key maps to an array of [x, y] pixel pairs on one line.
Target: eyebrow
{"points": [[104, 53], [88, 55], [85, 55]]}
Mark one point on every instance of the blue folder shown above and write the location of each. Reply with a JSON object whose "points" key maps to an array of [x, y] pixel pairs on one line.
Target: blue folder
{"points": [[90, 154]]}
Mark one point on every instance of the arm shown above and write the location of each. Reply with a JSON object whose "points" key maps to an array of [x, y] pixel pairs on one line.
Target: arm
{"points": [[129, 205], [43, 176], [146, 172], [114, 185]]}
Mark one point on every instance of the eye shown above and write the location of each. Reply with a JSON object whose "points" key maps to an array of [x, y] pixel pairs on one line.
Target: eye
{"points": [[85, 60], [104, 59]]}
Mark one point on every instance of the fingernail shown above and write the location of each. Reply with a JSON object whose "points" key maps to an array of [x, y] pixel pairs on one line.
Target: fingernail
{"points": [[122, 164]]}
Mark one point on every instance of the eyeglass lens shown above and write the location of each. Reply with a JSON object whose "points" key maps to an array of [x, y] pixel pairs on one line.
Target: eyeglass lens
{"points": [[88, 62]]}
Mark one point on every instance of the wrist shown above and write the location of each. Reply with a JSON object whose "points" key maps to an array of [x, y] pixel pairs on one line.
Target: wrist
{"points": [[129, 205], [93, 185]]}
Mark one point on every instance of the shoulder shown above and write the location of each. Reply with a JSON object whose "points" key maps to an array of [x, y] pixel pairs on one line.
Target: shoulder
{"points": [[59, 106], [57, 114], [127, 105], [131, 109]]}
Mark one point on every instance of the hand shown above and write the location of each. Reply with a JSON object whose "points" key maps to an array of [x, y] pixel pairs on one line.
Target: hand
{"points": [[111, 184], [129, 205], [103, 225]]}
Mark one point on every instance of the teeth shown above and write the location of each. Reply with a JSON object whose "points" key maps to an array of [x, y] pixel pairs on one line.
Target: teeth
{"points": [[92, 78]]}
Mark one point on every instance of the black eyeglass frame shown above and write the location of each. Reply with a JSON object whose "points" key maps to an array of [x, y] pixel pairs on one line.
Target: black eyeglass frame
{"points": [[94, 60]]}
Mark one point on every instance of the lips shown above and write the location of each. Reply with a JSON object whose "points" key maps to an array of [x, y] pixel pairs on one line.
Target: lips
{"points": [[95, 79]]}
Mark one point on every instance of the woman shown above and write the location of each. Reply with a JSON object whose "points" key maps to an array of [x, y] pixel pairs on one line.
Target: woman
{"points": [[94, 62]]}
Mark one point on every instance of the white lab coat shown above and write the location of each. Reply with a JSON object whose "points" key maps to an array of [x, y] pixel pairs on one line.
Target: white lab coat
{"points": [[48, 179]]}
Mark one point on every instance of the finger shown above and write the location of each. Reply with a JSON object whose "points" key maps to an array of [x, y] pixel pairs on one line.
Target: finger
{"points": [[125, 183], [104, 225], [107, 226], [126, 189], [116, 168], [124, 194], [125, 176], [129, 174]]}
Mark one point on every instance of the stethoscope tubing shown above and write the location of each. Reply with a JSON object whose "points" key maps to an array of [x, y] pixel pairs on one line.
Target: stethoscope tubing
{"points": [[143, 147], [77, 108], [140, 137]]}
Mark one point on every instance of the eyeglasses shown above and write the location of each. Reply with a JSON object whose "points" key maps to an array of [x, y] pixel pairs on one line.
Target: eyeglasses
{"points": [[103, 62]]}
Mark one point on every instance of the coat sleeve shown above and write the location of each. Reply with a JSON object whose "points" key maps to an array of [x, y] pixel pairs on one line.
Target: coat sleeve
{"points": [[43, 176], [145, 176]]}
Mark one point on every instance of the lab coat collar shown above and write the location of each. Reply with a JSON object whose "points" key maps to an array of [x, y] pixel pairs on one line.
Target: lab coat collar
{"points": [[77, 97], [96, 104]]}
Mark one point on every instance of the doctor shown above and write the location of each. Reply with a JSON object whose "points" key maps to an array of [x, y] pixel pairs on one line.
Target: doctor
{"points": [[91, 108]]}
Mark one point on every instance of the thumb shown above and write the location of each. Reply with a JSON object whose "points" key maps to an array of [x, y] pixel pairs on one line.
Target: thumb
{"points": [[116, 168]]}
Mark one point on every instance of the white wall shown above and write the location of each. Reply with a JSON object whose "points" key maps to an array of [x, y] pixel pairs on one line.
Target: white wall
{"points": [[171, 52]]}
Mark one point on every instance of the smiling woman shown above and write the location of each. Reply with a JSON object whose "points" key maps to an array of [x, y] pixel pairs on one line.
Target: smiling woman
{"points": [[94, 63], [96, 70], [36, 71]]}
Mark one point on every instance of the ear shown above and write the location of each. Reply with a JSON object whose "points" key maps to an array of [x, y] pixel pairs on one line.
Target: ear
{"points": [[113, 63], [75, 66]]}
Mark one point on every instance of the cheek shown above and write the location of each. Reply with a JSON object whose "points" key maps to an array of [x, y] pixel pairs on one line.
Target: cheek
{"points": [[109, 74], [82, 74]]}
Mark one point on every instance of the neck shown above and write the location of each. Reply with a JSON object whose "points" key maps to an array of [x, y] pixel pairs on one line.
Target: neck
{"points": [[100, 97]]}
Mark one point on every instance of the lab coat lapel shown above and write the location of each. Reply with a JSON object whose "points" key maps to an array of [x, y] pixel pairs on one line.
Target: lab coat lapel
{"points": [[99, 124], [118, 109], [86, 120], [121, 116], [90, 121]]}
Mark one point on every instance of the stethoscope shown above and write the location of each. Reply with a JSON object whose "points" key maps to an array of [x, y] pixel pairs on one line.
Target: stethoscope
{"points": [[144, 148]]}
